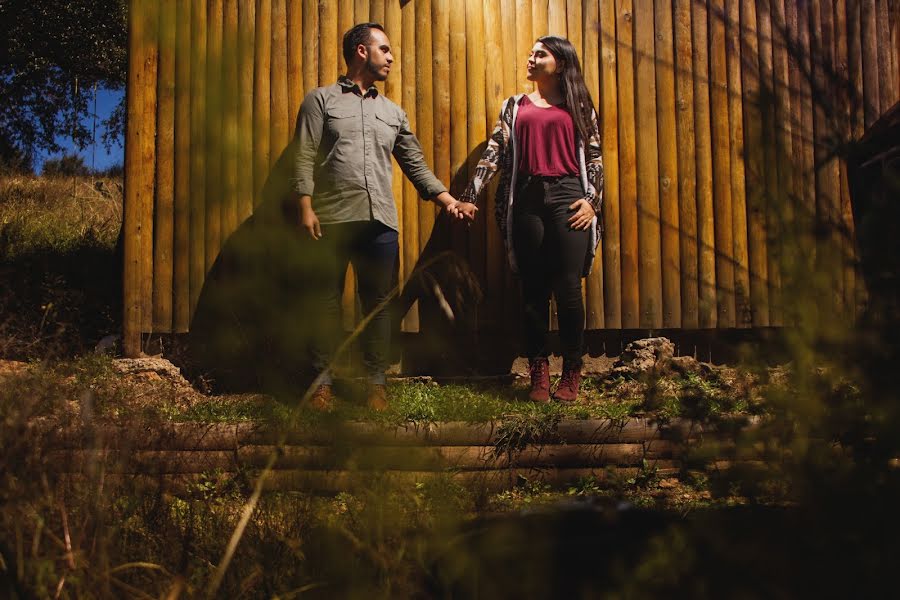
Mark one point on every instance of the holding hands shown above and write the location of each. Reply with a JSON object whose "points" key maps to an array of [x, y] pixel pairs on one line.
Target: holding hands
{"points": [[583, 214], [457, 209]]}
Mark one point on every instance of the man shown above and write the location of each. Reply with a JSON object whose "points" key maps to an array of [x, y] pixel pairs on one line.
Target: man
{"points": [[346, 135]]}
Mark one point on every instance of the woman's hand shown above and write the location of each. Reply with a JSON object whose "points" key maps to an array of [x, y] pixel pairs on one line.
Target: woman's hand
{"points": [[463, 210], [584, 214]]}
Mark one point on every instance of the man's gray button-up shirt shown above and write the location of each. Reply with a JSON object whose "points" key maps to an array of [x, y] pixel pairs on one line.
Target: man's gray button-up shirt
{"points": [[345, 139]]}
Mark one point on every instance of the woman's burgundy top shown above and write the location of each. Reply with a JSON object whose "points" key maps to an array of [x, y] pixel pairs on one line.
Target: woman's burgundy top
{"points": [[546, 140]]}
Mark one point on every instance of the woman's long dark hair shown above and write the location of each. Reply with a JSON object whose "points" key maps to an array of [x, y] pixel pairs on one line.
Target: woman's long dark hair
{"points": [[571, 80]]}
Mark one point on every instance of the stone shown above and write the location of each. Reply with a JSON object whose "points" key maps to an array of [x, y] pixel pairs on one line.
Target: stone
{"points": [[646, 356], [151, 369]]}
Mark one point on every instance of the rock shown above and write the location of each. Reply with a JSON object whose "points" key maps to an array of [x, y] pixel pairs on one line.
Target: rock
{"points": [[151, 369], [647, 356], [685, 365], [12, 368]]}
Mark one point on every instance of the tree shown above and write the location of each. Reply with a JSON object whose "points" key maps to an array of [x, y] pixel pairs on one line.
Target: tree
{"points": [[52, 54], [67, 165]]}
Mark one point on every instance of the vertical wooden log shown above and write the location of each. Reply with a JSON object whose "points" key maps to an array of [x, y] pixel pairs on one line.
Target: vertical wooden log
{"points": [[869, 27], [770, 153], [743, 312], [687, 165], [346, 20], [668, 165], [590, 11], [647, 148], [721, 155], [310, 43], [330, 61], [754, 167], [628, 201], [511, 57], [855, 67], [214, 136], [575, 27], [133, 218], [495, 256], [377, 11], [424, 108], [540, 18], [440, 50], [410, 216], [702, 137], [361, 11], [613, 293], [806, 214], [887, 91], [262, 90], [477, 117], [524, 42], [394, 90], [164, 212], [296, 53], [231, 100], [246, 138], [844, 124], [182, 308], [198, 150], [556, 18], [279, 101], [149, 156]]}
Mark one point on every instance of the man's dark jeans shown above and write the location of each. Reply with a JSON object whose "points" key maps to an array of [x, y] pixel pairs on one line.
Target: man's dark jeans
{"points": [[372, 248], [551, 257]]}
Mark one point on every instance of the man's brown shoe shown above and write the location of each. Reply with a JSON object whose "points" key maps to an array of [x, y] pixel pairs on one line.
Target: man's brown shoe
{"points": [[322, 399], [377, 399]]}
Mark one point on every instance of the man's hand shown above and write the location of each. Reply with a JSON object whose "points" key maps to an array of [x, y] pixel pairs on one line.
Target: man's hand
{"points": [[455, 208], [584, 214], [309, 222]]}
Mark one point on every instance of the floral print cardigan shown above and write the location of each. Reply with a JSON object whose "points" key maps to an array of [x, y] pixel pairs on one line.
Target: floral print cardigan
{"points": [[501, 153]]}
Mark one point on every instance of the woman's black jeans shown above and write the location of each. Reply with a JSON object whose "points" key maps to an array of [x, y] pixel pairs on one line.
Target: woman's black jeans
{"points": [[550, 257], [372, 249]]}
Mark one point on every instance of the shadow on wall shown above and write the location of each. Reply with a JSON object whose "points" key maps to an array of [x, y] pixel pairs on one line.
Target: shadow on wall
{"points": [[255, 316]]}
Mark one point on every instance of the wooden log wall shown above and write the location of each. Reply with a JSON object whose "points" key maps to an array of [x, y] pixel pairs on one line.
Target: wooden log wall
{"points": [[722, 124]]}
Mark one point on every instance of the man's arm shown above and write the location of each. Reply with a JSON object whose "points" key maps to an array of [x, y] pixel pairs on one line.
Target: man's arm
{"points": [[409, 155], [308, 135]]}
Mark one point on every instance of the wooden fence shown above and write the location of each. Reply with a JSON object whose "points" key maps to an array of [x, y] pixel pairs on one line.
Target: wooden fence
{"points": [[723, 122]]}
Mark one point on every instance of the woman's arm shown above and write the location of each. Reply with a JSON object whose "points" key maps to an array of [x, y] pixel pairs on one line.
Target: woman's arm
{"points": [[490, 160], [594, 166]]}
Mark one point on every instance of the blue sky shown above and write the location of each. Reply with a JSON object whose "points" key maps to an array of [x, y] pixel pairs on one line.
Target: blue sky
{"points": [[95, 154]]}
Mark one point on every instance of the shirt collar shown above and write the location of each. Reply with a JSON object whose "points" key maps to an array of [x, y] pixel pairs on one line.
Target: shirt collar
{"points": [[349, 86]]}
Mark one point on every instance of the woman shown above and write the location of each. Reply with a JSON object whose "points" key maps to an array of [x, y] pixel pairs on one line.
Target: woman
{"points": [[547, 143]]}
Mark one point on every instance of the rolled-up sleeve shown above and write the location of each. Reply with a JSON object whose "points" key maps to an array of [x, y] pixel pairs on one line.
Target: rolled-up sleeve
{"points": [[409, 155], [308, 136]]}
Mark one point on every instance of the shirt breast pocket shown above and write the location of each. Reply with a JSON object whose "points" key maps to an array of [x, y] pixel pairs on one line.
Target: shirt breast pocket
{"points": [[387, 126], [341, 122]]}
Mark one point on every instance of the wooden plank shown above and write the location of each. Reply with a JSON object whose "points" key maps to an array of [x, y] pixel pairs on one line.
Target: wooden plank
{"points": [[721, 164], [556, 18], [495, 256], [246, 137], [198, 151], [296, 55], [440, 50], [540, 18], [687, 165], [424, 118], [410, 217], [279, 100], [524, 43], [476, 132], [855, 68], [888, 87], [230, 128], [805, 216], [754, 167], [575, 31], [345, 20], [869, 34], [511, 57], [262, 90], [134, 172], [609, 130], [668, 164], [706, 274], [377, 11], [393, 23], [594, 300], [647, 148], [459, 147], [214, 135], [628, 201], [743, 308], [330, 60], [361, 11], [149, 155], [845, 128], [310, 45], [164, 211], [181, 250]]}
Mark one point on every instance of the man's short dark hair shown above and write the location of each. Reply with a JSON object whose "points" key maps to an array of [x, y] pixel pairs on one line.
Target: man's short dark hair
{"points": [[356, 35]]}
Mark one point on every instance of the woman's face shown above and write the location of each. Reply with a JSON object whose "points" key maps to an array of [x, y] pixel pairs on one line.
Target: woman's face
{"points": [[541, 64]]}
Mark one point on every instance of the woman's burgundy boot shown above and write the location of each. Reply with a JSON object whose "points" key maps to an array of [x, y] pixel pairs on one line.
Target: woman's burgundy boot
{"points": [[539, 369], [569, 384]]}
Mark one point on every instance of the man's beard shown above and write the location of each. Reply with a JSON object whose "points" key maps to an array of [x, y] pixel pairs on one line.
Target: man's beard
{"points": [[375, 71]]}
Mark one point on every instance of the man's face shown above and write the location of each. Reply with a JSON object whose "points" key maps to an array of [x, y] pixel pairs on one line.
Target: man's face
{"points": [[379, 57]]}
